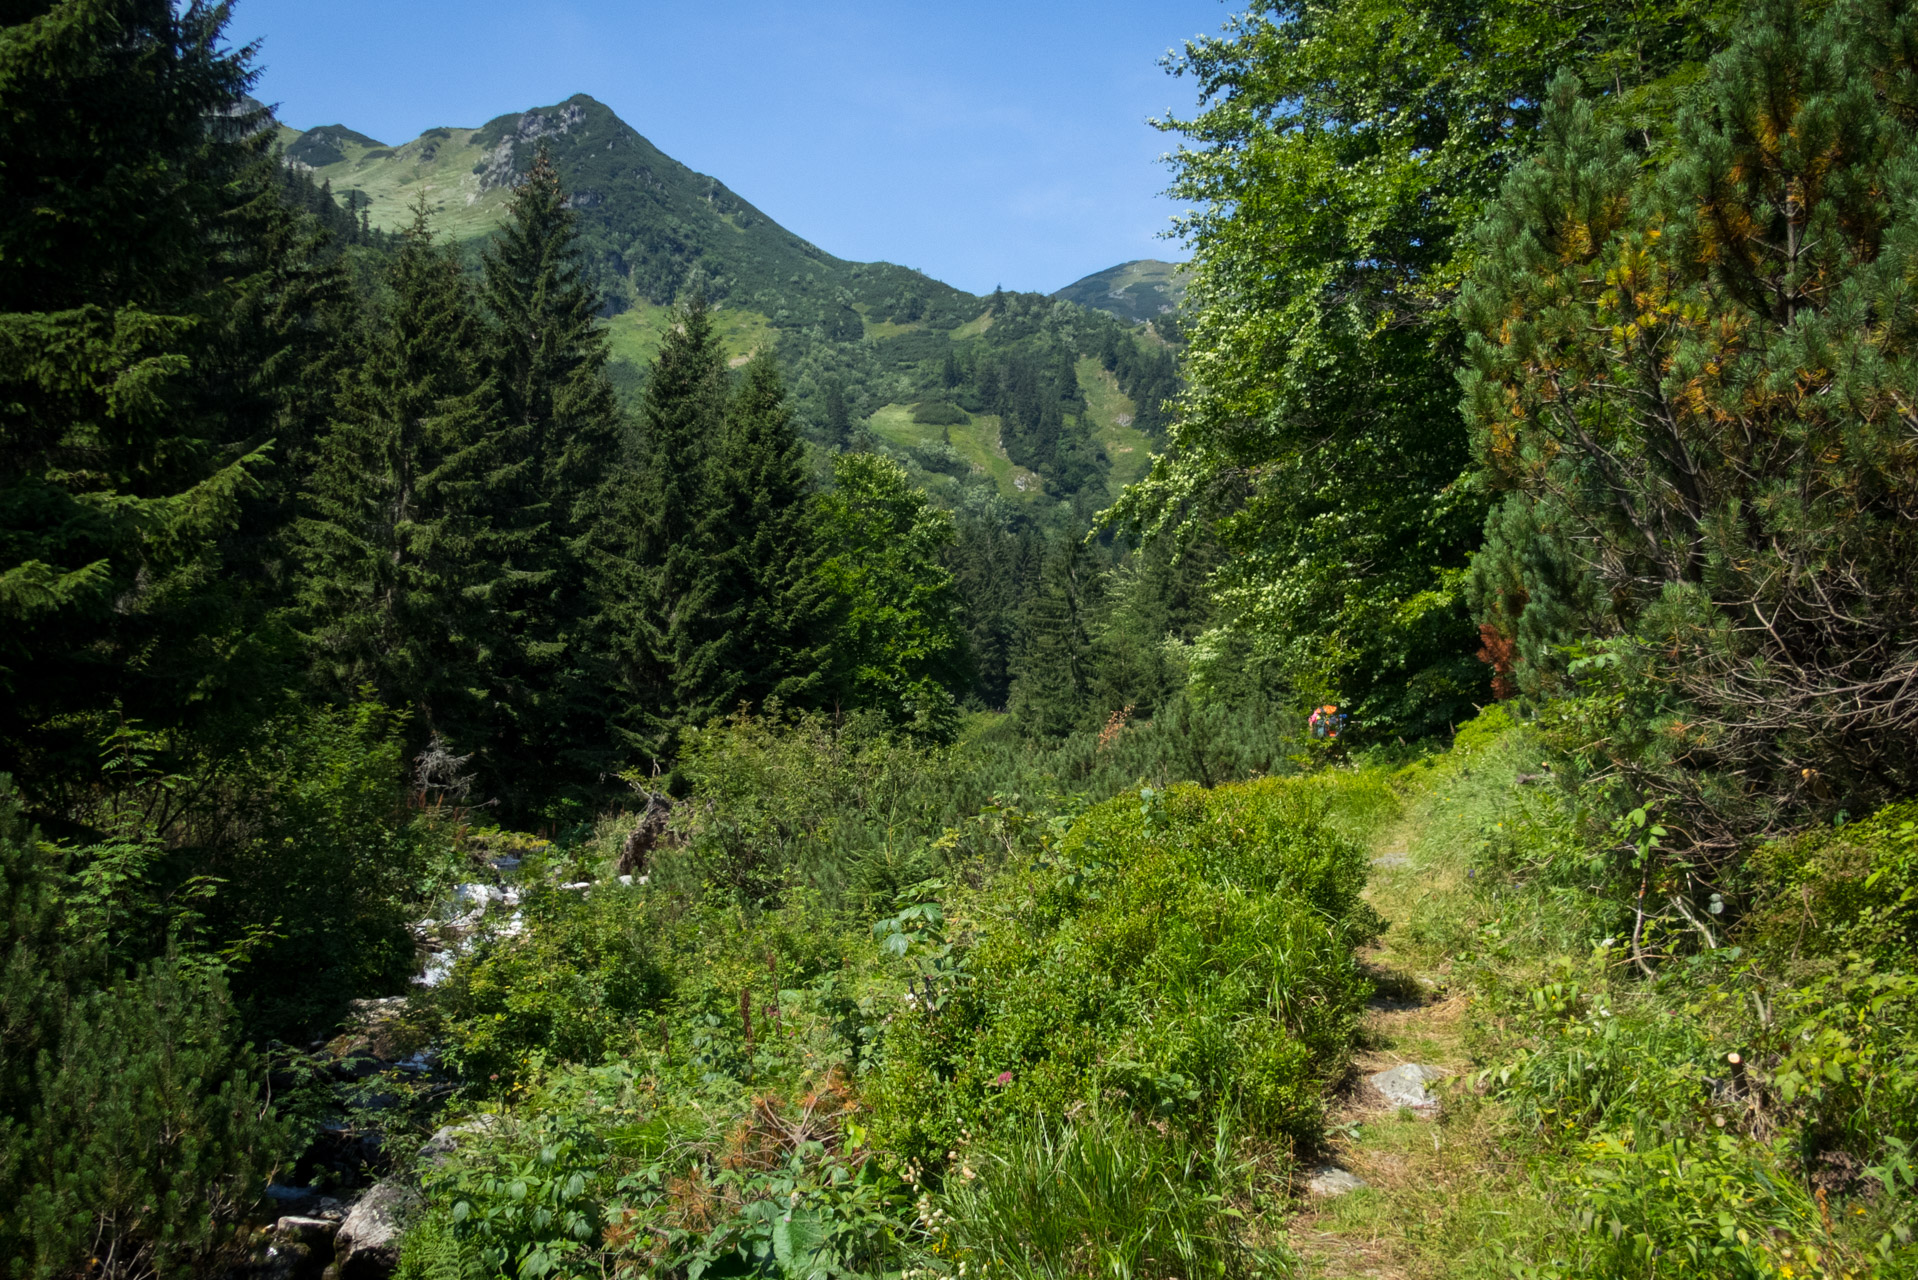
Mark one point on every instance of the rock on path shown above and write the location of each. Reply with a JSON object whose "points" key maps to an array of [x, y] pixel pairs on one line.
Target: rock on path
{"points": [[1329, 1180], [1404, 1084]]}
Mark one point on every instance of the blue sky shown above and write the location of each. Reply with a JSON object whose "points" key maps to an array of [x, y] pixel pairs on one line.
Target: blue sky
{"points": [[985, 143]]}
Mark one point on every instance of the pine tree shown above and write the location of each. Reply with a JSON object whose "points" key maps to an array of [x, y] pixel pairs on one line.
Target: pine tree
{"points": [[131, 1126], [769, 601], [416, 544], [1689, 371], [551, 354], [667, 645]]}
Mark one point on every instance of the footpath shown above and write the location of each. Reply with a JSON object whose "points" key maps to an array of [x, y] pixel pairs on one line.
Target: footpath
{"points": [[1413, 1182]]}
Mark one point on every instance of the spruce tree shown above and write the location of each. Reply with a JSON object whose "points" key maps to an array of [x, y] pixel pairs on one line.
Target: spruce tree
{"points": [[550, 350], [671, 653], [416, 545], [838, 417], [995, 562], [1154, 596], [129, 165], [760, 526], [1051, 691]]}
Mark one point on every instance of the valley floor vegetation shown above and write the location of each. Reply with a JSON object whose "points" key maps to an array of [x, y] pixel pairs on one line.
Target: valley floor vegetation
{"points": [[567, 828]]}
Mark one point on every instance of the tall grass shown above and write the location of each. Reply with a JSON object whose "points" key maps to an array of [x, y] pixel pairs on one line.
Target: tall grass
{"points": [[1099, 1196]]}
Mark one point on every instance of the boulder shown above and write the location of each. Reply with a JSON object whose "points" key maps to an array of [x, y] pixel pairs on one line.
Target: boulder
{"points": [[447, 1140], [376, 1032], [1404, 1084], [368, 1244]]}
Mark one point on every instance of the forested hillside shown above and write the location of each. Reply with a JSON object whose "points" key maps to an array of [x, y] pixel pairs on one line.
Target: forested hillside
{"points": [[859, 338], [553, 729]]}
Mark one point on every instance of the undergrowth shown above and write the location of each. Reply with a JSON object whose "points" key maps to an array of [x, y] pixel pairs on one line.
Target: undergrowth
{"points": [[1689, 1094], [850, 1025], [869, 1009]]}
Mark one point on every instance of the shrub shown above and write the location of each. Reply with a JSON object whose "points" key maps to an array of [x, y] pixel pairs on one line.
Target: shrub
{"points": [[1848, 1061], [565, 979], [1750, 1110], [1616, 1060], [132, 1129], [1186, 951], [939, 413], [1850, 888], [321, 863], [603, 1172], [1712, 1208], [843, 808]]}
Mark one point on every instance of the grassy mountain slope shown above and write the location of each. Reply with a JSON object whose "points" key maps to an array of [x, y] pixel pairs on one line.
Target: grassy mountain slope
{"points": [[975, 446], [1133, 291], [1113, 415]]}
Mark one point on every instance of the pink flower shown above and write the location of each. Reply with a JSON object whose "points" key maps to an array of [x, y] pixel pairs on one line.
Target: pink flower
{"points": [[1003, 1079]]}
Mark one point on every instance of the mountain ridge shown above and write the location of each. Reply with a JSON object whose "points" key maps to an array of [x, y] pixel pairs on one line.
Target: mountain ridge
{"points": [[467, 173], [652, 226]]}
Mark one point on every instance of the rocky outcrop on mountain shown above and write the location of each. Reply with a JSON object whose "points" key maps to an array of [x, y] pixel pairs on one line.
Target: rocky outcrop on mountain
{"points": [[505, 165]]}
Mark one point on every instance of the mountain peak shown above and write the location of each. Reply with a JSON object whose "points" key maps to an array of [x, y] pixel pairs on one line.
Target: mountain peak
{"points": [[1134, 291]]}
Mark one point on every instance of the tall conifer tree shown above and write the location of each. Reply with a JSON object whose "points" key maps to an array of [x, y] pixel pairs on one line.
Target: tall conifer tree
{"points": [[551, 354], [668, 647], [1051, 691], [770, 602], [128, 163], [416, 549]]}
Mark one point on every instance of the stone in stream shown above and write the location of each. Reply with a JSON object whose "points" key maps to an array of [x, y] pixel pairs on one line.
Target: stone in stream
{"points": [[1405, 1084], [303, 1202], [376, 1032], [307, 1231], [368, 1244], [1329, 1180]]}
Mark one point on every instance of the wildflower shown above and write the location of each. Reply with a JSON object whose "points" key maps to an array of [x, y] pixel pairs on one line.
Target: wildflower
{"points": [[1003, 1079]]}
